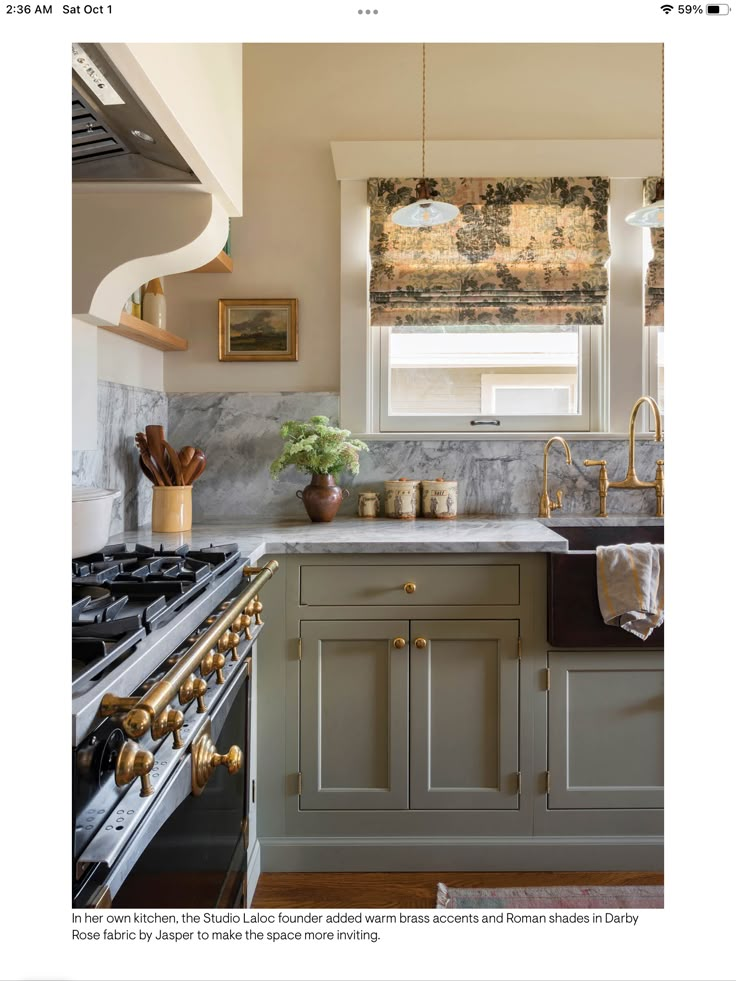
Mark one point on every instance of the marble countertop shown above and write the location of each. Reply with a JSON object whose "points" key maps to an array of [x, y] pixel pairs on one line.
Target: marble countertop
{"points": [[471, 533]]}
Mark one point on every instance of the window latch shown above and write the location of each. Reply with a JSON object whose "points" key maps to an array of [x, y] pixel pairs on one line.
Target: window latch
{"points": [[485, 422]]}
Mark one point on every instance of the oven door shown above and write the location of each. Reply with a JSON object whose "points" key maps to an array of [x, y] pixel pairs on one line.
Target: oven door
{"points": [[190, 851]]}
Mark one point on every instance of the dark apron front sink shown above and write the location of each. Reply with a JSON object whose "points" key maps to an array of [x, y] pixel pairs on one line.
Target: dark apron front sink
{"points": [[573, 614]]}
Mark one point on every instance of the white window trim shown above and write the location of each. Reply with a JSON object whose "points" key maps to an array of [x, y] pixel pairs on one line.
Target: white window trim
{"points": [[624, 356]]}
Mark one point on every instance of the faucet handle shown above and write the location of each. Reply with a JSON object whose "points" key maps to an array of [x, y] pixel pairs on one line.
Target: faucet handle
{"points": [[594, 463], [556, 507]]}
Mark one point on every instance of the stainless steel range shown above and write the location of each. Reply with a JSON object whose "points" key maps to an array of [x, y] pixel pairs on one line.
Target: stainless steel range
{"points": [[162, 651]]}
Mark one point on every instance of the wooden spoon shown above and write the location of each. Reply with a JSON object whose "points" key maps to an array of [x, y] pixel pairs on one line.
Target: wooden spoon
{"points": [[185, 456], [150, 473], [195, 467], [155, 437], [173, 459]]}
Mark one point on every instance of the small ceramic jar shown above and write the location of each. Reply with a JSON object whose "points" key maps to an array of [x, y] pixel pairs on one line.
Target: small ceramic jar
{"points": [[439, 498], [368, 505], [402, 498]]}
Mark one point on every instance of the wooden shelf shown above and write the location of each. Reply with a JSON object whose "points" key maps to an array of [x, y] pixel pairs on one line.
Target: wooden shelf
{"points": [[222, 263], [145, 333]]}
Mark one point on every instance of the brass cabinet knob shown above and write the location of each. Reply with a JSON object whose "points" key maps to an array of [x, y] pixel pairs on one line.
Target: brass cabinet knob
{"points": [[170, 720], [410, 587], [194, 688], [214, 661], [421, 643], [131, 763], [399, 643]]}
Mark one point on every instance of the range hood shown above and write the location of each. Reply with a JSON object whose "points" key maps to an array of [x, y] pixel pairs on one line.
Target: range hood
{"points": [[114, 137]]}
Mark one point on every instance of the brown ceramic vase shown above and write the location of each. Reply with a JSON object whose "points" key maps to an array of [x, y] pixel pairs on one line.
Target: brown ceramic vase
{"points": [[322, 498]]}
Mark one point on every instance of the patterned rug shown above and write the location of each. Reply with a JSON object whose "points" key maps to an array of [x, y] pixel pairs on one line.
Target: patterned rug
{"points": [[552, 897]]}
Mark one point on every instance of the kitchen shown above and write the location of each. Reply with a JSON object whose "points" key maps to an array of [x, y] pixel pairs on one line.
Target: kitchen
{"points": [[461, 720]]}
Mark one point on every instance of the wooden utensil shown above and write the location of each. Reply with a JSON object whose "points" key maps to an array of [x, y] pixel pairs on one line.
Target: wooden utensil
{"points": [[155, 437], [172, 458], [185, 456], [150, 473], [195, 467]]}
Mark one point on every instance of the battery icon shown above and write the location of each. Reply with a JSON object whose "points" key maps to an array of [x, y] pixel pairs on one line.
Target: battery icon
{"points": [[717, 8]]}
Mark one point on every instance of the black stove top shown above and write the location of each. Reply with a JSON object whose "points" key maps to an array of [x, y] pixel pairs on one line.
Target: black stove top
{"points": [[121, 594]]}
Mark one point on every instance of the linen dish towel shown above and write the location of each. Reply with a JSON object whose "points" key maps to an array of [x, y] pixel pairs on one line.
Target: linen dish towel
{"points": [[631, 586]]}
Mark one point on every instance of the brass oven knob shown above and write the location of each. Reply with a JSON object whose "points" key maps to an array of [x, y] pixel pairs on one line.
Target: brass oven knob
{"points": [[214, 661], [229, 642], [410, 587], [170, 720], [137, 723], [421, 643], [131, 763], [194, 688], [243, 622], [399, 643], [258, 609], [205, 759]]}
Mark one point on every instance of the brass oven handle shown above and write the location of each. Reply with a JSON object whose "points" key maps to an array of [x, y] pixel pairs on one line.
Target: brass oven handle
{"points": [[205, 759], [139, 720]]}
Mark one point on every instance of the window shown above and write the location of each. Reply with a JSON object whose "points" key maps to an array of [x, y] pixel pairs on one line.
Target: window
{"points": [[487, 320]]}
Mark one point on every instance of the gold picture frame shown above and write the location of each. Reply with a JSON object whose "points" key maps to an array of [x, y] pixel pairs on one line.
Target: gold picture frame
{"points": [[258, 330]]}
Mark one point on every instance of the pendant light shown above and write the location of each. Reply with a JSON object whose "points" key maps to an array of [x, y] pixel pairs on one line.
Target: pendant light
{"points": [[652, 215], [427, 211]]}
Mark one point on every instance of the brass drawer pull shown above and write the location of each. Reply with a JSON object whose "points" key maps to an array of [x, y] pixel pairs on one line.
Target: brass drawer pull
{"points": [[399, 643], [420, 643], [410, 587]]}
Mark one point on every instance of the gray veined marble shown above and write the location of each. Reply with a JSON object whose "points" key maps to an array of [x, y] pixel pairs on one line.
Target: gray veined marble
{"points": [[239, 433], [122, 411]]}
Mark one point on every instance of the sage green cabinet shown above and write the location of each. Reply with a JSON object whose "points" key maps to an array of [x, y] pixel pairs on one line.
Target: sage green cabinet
{"points": [[420, 715], [464, 714], [354, 695], [606, 729]]}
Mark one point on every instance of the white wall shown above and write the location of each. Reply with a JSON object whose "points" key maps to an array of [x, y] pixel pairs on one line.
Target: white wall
{"points": [[300, 97]]}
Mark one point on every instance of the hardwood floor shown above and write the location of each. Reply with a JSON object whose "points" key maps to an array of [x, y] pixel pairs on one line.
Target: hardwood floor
{"points": [[376, 890]]}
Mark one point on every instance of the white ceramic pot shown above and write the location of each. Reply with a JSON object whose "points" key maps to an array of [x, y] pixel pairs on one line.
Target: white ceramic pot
{"points": [[91, 513]]}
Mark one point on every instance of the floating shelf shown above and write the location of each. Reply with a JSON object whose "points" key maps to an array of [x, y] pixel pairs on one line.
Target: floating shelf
{"points": [[145, 333], [222, 263]]}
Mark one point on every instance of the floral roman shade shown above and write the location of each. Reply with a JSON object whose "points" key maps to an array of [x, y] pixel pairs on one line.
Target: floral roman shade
{"points": [[654, 282], [526, 251]]}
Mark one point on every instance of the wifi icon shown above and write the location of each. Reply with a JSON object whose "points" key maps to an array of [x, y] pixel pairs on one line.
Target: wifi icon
{"points": [[667, 7]]}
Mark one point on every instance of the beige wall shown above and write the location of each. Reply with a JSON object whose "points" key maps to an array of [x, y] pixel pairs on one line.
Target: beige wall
{"points": [[298, 98]]}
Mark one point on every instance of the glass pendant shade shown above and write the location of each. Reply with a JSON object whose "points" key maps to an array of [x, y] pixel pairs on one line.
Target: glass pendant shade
{"points": [[425, 213], [651, 216]]}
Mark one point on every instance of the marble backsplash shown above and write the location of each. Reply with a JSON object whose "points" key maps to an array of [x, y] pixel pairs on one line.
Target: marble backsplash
{"points": [[239, 434], [122, 411]]}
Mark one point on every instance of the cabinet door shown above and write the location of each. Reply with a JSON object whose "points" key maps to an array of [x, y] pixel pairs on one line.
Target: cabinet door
{"points": [[605, 730], [464, 714], [354, 714]]}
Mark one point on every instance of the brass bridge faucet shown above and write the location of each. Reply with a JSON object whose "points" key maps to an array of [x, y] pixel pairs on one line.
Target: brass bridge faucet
{"points": [[631, 481], [546, 506]]}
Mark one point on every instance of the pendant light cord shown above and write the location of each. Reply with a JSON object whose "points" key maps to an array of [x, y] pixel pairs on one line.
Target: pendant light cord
{"points": [[424, 106]]}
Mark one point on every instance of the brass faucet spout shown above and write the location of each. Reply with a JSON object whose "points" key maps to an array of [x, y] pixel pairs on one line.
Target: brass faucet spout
{"points": [[546, 506]]}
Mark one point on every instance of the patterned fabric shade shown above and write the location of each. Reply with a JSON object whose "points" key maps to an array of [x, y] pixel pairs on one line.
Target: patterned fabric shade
{"points": [[526, 251], [654, 283]]}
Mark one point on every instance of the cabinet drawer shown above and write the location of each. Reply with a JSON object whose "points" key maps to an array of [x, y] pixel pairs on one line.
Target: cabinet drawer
{"points": [[384, 585]]}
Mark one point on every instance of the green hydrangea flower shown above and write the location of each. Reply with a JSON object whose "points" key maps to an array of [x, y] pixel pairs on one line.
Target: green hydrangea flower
{"points": [[317, 447]]}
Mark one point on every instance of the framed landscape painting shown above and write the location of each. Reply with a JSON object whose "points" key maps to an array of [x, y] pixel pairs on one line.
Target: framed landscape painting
{"points": [[258, 330]]}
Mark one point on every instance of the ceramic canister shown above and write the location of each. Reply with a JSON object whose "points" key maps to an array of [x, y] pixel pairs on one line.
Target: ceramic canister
{"points": [[439, 498], [368, 505], [402, 498]]}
